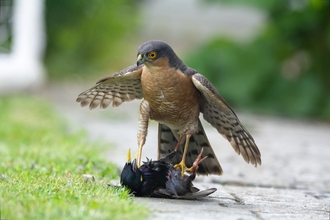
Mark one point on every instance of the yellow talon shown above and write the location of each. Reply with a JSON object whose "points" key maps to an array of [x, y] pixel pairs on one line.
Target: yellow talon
{"points": [[138, 156], [194, 167], [182, 164]]}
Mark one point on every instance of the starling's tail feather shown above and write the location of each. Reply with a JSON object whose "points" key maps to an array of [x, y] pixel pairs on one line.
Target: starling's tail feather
{"points": [[167, 142]]}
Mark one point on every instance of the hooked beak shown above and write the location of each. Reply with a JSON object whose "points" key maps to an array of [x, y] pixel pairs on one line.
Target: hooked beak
{"points": [[139, 60]]}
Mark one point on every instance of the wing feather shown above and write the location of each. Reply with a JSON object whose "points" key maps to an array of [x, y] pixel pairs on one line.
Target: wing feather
{"points": [[218, 113], [116, 88]]}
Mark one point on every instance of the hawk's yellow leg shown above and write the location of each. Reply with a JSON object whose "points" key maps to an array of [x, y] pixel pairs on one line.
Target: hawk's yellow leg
{"points": [[182, 164]]}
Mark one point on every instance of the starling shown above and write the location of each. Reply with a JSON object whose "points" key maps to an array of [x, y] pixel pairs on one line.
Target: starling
{"points": [[159, 178], [150, 176], [131, 176]]}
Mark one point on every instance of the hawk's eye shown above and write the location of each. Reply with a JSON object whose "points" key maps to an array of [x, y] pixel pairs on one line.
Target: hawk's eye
{"points": [[152, 55]]}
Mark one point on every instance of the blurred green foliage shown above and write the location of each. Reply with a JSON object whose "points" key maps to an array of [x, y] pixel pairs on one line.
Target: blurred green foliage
{"points": [[285, 70], [86, 36], [6, 13]]}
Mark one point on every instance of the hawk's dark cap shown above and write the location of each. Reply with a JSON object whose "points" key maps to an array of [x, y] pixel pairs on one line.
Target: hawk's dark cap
{"points": [[163, 50]]}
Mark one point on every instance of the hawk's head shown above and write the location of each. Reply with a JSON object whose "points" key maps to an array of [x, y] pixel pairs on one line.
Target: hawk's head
{"points": [[156, 52]]}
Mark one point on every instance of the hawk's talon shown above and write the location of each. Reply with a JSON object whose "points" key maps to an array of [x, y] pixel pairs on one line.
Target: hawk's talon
{"points": [[182, 166], [138, 156], [194, 167], [137, 159]]}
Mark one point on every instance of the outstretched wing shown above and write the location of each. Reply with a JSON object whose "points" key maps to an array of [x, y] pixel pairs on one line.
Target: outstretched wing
{"points": [[117, 88], [218, 113]]}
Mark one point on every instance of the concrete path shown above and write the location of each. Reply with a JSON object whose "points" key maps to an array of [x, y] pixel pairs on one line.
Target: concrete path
{"points": [[292, 183]]}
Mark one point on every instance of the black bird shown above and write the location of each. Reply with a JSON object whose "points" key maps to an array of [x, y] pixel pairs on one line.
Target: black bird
{"points": [[160, 179], [131, 176], [151, 175]]}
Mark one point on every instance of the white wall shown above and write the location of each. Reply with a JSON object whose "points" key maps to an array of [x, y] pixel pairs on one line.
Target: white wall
{"points": [[22, 68]]}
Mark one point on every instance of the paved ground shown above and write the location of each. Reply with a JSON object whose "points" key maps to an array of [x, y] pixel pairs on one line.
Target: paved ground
{"points": [[292, 183]]}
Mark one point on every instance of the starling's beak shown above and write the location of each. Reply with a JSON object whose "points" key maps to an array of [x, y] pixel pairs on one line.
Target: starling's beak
{"points": [[134, 166], [139, 60], [129, 156]]}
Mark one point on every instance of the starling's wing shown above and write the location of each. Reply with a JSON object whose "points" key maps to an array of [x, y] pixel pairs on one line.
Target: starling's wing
{"points": [[168, 158], [167, 142], [194, 189], [164, 193], [218, 113], [117, 88], [199, 194]]}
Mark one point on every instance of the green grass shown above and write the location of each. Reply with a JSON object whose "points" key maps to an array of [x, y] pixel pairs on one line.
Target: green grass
{"points": [[42, 168]]}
